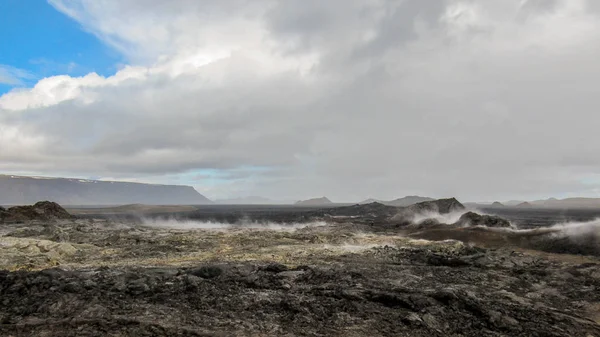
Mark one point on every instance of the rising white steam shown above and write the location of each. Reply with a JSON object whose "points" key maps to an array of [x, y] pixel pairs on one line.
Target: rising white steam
{"points": [[579, 229], [213, 225], [446, 218], [568, 229]]}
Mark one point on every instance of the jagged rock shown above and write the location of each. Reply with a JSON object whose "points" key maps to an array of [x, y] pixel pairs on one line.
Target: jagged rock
{"points": [[441, 206], [474, 219], [406, 216], [42, 211]]}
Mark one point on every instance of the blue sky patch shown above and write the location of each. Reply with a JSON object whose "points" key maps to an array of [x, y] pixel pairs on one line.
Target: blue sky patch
{"points": [[37, 41]]}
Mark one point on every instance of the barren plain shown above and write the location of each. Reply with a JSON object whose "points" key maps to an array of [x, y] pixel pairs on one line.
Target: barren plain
{"points": [[363, 270]]}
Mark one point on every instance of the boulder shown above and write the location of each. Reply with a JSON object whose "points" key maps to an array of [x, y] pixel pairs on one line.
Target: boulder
{"points": [[474, 219]]}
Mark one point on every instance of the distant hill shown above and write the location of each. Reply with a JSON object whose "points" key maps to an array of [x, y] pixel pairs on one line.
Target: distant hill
{"points": [[17, 190], [400, 202], [250, 200], [513, 202], [544, 203], [370, 201], [408, 201], [568, 203], [314, 202]]}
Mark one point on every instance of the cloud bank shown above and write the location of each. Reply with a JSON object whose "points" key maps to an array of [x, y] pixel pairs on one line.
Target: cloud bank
{"points": [[349, 99]]}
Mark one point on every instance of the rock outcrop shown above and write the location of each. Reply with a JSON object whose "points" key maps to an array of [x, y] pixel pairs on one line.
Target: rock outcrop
{"points": [[408, 215], [41, 211], [474, 219], [442, 206]]}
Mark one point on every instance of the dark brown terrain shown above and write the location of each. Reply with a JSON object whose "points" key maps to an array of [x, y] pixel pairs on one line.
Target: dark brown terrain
{"points": [[360, 270]]}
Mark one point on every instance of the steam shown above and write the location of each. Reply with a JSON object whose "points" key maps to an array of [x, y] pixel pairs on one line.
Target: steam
{"points": [[446, 218], [213, 225], [572, 229], [579, 229]]}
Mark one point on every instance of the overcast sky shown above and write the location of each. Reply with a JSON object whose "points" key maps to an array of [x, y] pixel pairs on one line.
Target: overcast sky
{"points": [[482, 100]]}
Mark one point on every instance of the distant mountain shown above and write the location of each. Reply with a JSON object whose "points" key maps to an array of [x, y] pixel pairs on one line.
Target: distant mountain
{"points": [[17, 190], [400, 202], [513, 202], [371, 200], [568, 203], [408, 200], [250, 200], [474, 205], [314, 202], [544, 203]]}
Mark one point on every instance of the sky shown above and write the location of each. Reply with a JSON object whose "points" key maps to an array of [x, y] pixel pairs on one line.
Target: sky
{"points": [[349, 99]]}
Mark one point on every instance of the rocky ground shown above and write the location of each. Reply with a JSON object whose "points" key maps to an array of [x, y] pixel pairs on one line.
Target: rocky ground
{"points": [[337, 276]]}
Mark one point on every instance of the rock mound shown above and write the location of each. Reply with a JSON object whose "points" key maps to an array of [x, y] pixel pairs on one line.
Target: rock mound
{"points": [[524, 205], [41, 211], [497, 204], [474, 219], [442, 206]]}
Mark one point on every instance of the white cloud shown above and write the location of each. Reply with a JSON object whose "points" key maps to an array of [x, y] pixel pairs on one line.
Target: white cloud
{"points": [[13, 76], [483, 100]]}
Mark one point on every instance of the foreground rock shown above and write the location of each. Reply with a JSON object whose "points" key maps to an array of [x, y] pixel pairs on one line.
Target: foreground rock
{"points": [[474, 219], [40, 211], [444, 290], [123, 279]]}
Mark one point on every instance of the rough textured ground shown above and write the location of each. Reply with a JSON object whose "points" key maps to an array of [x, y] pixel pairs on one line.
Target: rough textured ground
{"points": [[335, 278]]}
